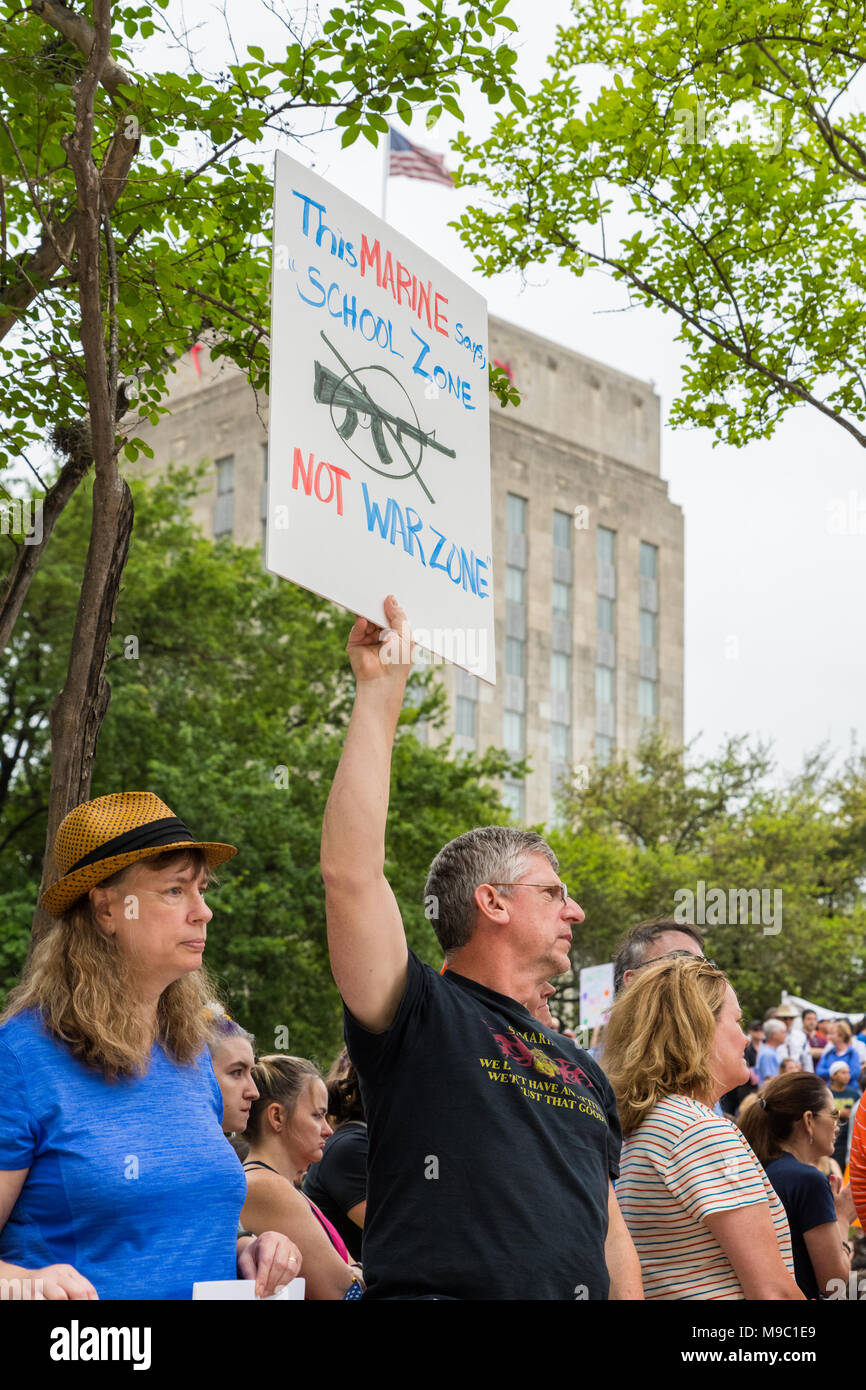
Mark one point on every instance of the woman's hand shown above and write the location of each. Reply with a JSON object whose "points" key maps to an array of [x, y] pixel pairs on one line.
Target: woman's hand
{"points": [[844, 1204], [272, 1260], [58, 1282]]}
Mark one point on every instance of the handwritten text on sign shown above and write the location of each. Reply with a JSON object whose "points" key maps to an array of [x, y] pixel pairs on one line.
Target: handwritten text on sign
{"points": [[379, 438]]}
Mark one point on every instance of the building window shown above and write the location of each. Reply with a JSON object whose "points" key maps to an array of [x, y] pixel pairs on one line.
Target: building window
{"points": [[514, 655], [646, 698], [515, 515], [605, 614], [561, 599], [512, 795], [512, 728], [560, 660], [604, 685], [562, 530], [649, 560], [513, 719], [603, 749], [515, 580], [605, 643], [465, 716], [647, 625], [647, 693], [560, 671], [224, 507], [606, 546], [560, 741]]}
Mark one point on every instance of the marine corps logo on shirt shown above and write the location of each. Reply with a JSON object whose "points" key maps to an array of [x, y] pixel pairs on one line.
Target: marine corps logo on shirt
{"points": [[515, 1050], [543, 1063]]}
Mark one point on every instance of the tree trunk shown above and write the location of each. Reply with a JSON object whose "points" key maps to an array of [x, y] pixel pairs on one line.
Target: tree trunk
{"points": [[78, 711]]}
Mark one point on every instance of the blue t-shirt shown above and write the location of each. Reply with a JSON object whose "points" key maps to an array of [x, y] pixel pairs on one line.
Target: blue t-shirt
{"points": [[768, 1063], [132, 1182], [805, 1194]]}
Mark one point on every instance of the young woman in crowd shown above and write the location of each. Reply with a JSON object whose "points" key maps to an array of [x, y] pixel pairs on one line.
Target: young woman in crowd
{"points": [[792, 1126], [287, 1130], [337, 1184], [232, 1051], [115, 1178], [704, 1218]]}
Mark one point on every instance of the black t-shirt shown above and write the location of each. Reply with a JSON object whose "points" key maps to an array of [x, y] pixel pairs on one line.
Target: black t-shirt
{"points": [[491, 1146], [805, 1194], [338, 1181]]}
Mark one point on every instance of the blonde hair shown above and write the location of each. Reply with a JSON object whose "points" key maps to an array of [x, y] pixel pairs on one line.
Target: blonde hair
{"points": [[83, 986], [281, 1079], [660, 1035]]}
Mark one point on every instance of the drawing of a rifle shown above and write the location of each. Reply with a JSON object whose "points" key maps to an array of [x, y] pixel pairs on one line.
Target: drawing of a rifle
{"points": [[329, 389]]}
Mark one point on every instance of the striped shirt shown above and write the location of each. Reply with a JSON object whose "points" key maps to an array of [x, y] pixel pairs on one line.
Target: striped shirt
{"points": [[682, 1165]]}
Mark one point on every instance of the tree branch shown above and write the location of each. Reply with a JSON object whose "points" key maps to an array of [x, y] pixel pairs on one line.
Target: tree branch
{"points": [[80, 33], [14, 590]]}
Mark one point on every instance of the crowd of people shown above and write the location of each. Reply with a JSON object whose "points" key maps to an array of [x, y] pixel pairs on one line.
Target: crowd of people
{"points": [[462, 1146]]}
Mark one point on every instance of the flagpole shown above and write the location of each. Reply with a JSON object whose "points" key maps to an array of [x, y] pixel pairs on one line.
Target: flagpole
{"points": [[386, 155]]}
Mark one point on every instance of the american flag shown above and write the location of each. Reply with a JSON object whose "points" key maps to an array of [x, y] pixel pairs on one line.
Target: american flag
{"points": [[415, 162]]}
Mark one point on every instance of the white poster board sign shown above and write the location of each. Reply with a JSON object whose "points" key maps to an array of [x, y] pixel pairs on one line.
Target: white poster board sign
{"points": [[596, 994], [379, 436]]}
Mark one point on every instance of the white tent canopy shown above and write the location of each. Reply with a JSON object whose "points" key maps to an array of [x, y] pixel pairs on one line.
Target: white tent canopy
{"points": [[821, 1010]]}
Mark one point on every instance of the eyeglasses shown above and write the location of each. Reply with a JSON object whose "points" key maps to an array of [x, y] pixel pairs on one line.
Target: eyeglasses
{"points": [[676, 955], [551, 888]]}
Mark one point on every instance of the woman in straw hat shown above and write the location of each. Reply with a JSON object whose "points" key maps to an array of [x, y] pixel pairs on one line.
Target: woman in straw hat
{"points": [[116, 1180]]}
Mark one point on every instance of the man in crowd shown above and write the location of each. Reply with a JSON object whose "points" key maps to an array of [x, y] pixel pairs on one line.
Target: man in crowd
{"points": [[794, 1044], [768, 1052], [492, 1140], [815, 1039], [732, 1100], [661, 936]]}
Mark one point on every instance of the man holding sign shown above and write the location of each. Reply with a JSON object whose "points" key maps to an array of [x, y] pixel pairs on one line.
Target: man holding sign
{"points": [[493, 1140]]}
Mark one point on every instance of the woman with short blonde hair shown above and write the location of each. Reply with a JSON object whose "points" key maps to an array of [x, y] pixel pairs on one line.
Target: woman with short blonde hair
{"points": [[704, 1219]]}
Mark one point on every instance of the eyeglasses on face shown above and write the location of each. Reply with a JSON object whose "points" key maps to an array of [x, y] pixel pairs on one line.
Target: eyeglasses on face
{"points": [[554, 889]]}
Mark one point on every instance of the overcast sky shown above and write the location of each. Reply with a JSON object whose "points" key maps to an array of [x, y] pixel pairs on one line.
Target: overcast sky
{"points": [[775, 643]]}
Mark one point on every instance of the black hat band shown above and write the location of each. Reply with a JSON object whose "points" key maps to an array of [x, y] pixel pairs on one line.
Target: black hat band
{"points": [[157, 832]]}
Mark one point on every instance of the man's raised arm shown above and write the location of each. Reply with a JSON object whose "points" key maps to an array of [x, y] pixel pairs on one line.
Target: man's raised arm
{"points": [[366, 939]]}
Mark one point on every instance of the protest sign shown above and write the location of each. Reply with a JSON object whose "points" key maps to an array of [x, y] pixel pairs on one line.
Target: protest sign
{"points": [[379, 440], [596, 994]]}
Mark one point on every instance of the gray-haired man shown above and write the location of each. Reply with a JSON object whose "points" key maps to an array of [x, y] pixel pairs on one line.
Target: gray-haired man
{"points": [[649, 941], [493, 1140]]}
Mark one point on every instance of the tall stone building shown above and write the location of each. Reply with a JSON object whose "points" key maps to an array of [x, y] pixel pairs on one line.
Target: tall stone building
{"points": [[588, 552]]}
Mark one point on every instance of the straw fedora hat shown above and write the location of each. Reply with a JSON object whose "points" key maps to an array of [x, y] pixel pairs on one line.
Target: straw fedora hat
{"points": [[101, 837]]}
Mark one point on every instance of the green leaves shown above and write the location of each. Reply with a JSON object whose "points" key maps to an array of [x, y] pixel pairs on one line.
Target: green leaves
{"points": [[726, 134], [638, 834]]}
